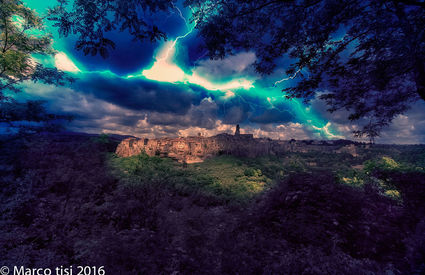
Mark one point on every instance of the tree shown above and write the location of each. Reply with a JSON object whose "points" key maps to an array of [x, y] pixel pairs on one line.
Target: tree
{"points": [[365, 56], [30, 116], [90, 20], [21, 35]]}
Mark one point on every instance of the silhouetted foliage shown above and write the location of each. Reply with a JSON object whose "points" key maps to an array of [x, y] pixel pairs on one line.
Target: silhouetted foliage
{"points": [[63, 203], [30, 117], [18, 41], [21, 35], [364, 56], [91, 20]]}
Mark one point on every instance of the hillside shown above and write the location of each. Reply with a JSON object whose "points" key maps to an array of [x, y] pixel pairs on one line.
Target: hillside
{"points": [[72, 201]]}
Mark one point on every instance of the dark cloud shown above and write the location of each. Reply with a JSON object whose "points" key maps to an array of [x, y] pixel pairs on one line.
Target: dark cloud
{"points": [[129, 56], [129, 120], [204, 116], [194, 49], [137, 94], [408, 128], [231, 67], [340, 116], [273, 116], [235, 114]]}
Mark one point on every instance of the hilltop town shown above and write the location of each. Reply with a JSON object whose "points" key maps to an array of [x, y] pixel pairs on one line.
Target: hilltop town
{"points": [[198, 148]]}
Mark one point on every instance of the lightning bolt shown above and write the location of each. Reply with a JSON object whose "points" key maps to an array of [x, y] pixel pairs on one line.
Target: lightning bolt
{"points": [[287, 78], [174, 43], [164, 69], [180, 14]]}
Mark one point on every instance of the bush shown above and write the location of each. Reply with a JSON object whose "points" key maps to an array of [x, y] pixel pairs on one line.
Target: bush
{"points": [[313, 209], [386, 163], [66, 200]]}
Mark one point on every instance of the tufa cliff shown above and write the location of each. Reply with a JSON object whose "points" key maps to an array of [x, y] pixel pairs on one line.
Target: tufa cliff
{"points": [[196, 149]]}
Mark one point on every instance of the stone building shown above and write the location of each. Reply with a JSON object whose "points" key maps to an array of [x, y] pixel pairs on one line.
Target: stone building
{"points": [[198, 148]]}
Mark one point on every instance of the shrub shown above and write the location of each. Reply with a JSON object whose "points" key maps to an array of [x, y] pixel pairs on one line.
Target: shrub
{"points": [[64, 201]]}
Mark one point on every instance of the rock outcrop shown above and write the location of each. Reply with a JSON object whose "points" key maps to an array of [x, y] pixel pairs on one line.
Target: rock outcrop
{"points": [[194, 149], [197, 149]]}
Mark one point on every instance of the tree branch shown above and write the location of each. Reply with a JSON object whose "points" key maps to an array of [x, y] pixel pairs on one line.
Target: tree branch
{"points": [[261, 7], [410, 3], [6, 34]]}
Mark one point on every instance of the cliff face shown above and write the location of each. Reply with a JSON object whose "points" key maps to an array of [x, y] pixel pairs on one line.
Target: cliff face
{"points": [[193, 149], [196, 149]]}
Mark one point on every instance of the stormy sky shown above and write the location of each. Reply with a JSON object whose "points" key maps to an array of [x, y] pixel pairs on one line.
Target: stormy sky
{"points": [[172, 89]]}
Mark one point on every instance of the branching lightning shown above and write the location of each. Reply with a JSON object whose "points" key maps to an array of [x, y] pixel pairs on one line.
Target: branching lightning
{"points": [[165, 69], [174, 43], [287, 78], [180, 14]]}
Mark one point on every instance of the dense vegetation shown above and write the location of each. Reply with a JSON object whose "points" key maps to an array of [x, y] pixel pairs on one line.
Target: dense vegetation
{"points": [[22, 39], [69, 200]]}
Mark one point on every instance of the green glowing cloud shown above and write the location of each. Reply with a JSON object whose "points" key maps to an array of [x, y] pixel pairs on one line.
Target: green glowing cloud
{"points": [[165, 68]]}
